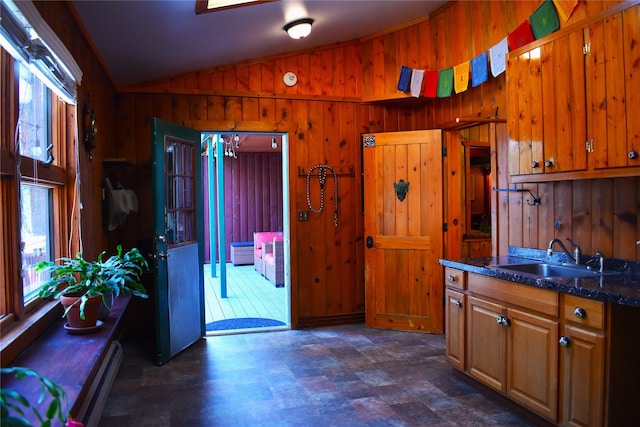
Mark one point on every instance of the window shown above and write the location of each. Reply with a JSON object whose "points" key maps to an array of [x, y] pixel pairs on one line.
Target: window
{"points": [[34, 220], [36, 207], [38, 167]]}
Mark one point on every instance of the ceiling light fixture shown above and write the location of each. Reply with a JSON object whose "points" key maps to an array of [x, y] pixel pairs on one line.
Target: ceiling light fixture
{"points": [[299, 29]]}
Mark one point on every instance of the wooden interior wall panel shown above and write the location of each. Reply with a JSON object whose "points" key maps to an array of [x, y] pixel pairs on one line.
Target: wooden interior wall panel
{"points": [[602, 216], [582, 201], [546, 215], [625, 217], [328, 268]]}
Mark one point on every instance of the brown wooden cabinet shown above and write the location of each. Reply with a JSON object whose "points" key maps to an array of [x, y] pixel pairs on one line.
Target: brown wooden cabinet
{"points": [[569, 359], [455, 317], [455, 327], [572, 99], [512, 341], [582, 361]]}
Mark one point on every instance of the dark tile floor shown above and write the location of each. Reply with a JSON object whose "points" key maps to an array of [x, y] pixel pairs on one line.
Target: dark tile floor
{"points": [[334, 376]]}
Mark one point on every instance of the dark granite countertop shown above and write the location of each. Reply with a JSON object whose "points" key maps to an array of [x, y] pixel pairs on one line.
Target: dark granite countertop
{"points": [[620, 286]]}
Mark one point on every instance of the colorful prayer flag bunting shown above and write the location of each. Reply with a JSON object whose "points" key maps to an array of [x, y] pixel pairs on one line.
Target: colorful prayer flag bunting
{"points": [[461, 76], [479, 72], [498, 57], [445, 82], [565, 8], [520, 36], [431, 83], [544, 20], [405, 78], [416, 82]]}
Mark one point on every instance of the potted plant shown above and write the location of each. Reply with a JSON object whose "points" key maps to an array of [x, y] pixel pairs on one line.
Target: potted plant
{"points": [[15, 407], [83, 286]]}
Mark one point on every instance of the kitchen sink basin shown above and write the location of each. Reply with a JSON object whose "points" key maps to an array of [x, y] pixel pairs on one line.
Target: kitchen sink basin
{"points": [[547, 270]]}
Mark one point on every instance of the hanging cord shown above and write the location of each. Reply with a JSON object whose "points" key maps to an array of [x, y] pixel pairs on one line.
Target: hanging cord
{"points": [[76, 190], [322, 176]]}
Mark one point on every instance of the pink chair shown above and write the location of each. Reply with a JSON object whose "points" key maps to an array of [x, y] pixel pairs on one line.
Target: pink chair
{"points": [[273, 260], [259, 238]]}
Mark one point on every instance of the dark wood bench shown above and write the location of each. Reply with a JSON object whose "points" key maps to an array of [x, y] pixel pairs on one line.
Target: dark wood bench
{"points": [[84, 365]]}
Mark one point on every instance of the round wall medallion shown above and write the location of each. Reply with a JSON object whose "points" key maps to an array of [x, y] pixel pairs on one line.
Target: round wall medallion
{"points": [[290, 78]]}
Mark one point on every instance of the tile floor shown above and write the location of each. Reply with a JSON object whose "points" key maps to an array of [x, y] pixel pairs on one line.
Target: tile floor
{"points": [[329, 377]]}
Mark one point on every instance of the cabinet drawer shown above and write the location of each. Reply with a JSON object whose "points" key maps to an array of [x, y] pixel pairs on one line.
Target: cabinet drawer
{"points": [[538, 299], [455, 278], [583, 311]]}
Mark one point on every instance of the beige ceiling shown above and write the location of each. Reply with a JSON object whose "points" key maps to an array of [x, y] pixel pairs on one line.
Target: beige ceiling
{"points": [[142, 40]]}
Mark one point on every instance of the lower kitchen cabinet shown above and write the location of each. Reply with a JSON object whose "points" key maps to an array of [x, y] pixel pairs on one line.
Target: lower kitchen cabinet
{"points": [[532, 361], [514, 352], [571, 360], [582, 376], [455, 323]]}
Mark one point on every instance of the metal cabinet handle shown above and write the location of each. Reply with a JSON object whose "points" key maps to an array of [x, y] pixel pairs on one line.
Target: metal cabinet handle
{"points": [[580, 313], [564, 341], [548, 163], [458, 304], [503, 321], [452, 278], [535, 164]]}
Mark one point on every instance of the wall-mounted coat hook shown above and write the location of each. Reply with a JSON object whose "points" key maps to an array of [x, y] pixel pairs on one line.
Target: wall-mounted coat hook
{"points": [[536, 199]]}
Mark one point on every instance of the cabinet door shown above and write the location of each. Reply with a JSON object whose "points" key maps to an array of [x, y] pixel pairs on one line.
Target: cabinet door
{"points": [[532, 362], [582, 361], [613, 88], [455, 324], [546, 108], [486, 343]]}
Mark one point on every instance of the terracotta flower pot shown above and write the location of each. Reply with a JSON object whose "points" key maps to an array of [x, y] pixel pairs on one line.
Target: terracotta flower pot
{"points": [[91, 311]]}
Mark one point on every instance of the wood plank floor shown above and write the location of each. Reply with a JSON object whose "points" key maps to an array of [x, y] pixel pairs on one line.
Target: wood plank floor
{"points": [[249, 294]]}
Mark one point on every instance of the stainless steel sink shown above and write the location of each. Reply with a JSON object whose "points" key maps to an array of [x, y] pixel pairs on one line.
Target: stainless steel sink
{"points": [[547, 270]]}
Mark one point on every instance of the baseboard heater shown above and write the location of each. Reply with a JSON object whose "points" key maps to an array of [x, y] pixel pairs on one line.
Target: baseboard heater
{"points": [[91, 410]]}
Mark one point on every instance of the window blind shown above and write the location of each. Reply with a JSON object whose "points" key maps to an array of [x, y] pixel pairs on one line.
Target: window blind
{"points": [[28, 38]]}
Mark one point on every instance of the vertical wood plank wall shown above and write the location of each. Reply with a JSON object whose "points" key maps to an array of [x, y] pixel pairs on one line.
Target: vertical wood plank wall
{"points": [[324, 118]]}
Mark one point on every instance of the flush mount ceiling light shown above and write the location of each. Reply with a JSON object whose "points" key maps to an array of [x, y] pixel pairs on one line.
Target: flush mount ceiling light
{"points": [[298, 29]]}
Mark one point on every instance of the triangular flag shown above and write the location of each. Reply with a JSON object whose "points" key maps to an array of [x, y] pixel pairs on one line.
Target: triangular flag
{"points": [[445, 82], [416, 82], [461, 76], [498, 56], [565, 8], [544, 20], [520, 36], [405, 78], [479, 72], [431, 83]]}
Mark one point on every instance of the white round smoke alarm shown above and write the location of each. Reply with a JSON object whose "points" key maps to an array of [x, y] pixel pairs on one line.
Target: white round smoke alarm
{"points": [[290, 78]]}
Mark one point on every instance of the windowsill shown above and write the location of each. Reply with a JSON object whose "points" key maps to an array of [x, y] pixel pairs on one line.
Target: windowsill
{"points": [[17, 335], [70, 360]]}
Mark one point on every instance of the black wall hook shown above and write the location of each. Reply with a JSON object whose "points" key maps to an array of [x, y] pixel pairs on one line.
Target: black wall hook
{"points": [[536, 199]]}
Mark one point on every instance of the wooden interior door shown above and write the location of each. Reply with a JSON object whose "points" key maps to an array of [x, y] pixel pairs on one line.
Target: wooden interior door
{"points": [[404, 288]]}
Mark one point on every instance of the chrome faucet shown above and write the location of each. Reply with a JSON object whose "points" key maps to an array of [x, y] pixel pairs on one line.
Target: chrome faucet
{"points": [[599, 256], [576, 249]]}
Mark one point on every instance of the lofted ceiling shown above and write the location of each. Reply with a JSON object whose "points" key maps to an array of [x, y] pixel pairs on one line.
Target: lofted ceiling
{"points": [[143, 40]]}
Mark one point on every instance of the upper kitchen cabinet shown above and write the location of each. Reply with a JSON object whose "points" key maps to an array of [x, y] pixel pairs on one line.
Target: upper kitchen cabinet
{"points": [[613, 90], [573, 101]]}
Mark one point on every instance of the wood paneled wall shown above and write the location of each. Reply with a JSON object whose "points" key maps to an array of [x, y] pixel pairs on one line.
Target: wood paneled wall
{"points": [[324, 118]]}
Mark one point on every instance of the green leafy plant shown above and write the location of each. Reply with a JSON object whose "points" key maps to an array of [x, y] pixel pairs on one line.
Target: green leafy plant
{"points": [[119, 275], [15, 406]]}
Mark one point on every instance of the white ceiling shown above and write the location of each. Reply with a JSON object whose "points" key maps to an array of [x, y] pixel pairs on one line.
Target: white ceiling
{"points": [[141, 40]]}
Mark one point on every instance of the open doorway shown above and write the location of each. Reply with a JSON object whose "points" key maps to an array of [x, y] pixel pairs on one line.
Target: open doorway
{"points": [[245, 192]]}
